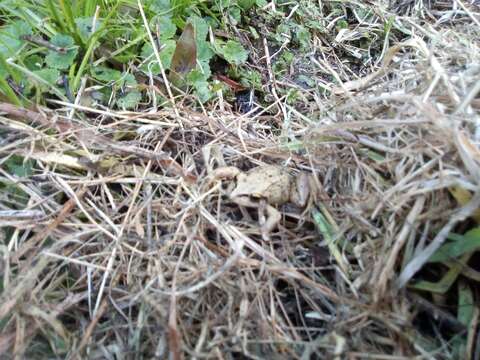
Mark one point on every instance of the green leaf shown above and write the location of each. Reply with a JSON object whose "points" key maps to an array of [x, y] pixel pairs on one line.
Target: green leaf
{"points": [[200, 26], [161, 6], [84, 26], [246, 4], [461, 244], [17, 166], [128, 79], [199, 82], [342, 24], [105, 74], [204, 51], [34, 62], [235, 15], [166, 27], [302, 35], [292, 96], [166, 55], [130, 100], [233, 52], [251, 78], [10, 36], [58, 60], [204, 68], [51, 76], [331, 238]]}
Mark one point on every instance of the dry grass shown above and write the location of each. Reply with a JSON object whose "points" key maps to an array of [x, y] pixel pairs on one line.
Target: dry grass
{"points": [[121, 250]]}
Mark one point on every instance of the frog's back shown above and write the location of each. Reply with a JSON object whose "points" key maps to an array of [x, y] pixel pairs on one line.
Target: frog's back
{"points": [[270, 182]]}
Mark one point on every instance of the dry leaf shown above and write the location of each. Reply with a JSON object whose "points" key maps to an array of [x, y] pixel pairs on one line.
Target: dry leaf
{"points": [[185, 56]]}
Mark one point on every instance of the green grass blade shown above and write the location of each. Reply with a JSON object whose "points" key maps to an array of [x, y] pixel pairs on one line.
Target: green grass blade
{"points": [[4, 86], [326, 230], [66, 7], [9, 93], [54, 14], [90, 47], [461, 244], [442, 286]]}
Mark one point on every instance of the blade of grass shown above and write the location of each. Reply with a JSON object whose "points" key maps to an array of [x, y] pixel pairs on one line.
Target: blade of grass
{"points": [[443, 285], [89, 8], [4, 86], [465, 310], [66, 7], [90, 47], [326, 230], [54, 14], [9, 93]]}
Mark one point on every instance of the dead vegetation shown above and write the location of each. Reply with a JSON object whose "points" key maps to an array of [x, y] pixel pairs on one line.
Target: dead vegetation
{"points": [[115, 247]]}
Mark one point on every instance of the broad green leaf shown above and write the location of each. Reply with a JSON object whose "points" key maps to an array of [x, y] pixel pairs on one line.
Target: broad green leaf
{"points": [[200, 26], [251, 78], [166, 55], [246, 4], [51, 76], [161, 6], [283, 32], [200, 84], [342, 24], [58, 60], [204, 51], [34, 62], [84, 25], [235, 15], [130, 100], [166, 27], [105, 74], [17, 166], [460, 245], [234, 52], [205, 68], [292, 96], [10, 37], [128, 79]]}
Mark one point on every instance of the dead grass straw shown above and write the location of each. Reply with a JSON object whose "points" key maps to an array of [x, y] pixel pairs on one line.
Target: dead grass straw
{"points": [[120, 248]]}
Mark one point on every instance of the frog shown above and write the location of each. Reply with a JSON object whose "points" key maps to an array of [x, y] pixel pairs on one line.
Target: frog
{"points": [[265, 187]]}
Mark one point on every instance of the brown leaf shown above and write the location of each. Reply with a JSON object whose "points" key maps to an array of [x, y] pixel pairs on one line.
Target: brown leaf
{"points": [[185, 56]]}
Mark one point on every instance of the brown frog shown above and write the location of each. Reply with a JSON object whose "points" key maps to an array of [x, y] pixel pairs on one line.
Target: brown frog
{"points": [[264, 187]]}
